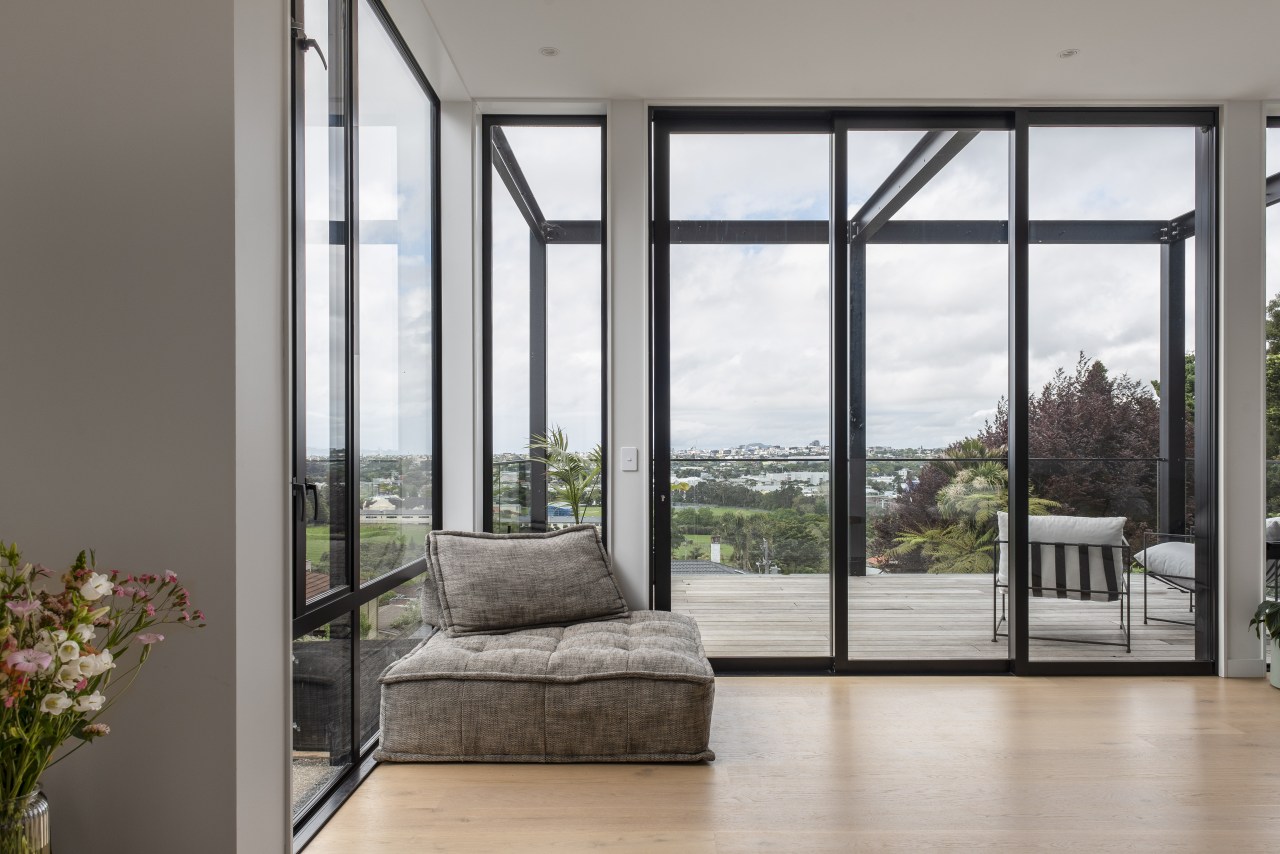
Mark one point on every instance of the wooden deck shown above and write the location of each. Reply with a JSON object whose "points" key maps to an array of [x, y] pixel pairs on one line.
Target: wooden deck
{"points": [[916, 617]]}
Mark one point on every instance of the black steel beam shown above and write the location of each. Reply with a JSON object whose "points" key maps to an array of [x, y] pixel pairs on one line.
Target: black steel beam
{"points": [[754, 231], [572, 231], [927, 158], [1273, 189], [508, 168], [537, 379], [1173, 408], [924, 231]]}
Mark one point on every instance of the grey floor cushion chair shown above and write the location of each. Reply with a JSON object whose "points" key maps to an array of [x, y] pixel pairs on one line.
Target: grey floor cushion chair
{"points": [[538, 659]]}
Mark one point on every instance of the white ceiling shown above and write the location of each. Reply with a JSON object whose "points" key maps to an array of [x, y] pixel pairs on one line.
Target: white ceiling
{"points": [[856, 50]]}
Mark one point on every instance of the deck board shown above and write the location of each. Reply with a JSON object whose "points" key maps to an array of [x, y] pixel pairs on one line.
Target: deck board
{"points": [[916, 617]]}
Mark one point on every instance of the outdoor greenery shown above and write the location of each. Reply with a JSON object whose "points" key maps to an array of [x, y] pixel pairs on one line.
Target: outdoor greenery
{"points": [[784, 530], [1093, 440], [572, 477]]}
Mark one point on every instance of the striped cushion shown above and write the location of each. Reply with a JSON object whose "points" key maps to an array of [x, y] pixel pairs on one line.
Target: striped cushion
{"points": [[1068, 571]]}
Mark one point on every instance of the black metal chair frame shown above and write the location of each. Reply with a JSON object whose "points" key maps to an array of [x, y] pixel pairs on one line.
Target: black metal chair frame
{"points": [[1123, 596], [1186, 585]]}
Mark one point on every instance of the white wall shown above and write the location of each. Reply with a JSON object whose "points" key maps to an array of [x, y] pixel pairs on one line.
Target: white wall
{"points": [[629, 345], [141, 232], [1240, 375], [460, 323]]}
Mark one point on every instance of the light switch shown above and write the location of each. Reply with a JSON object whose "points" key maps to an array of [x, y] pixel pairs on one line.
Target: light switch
{"points": [[630, 459]]}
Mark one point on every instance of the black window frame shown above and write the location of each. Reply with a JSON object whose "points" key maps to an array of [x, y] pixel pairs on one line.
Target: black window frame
{"points": [[347, 599], [847, 420], [541, 234]]}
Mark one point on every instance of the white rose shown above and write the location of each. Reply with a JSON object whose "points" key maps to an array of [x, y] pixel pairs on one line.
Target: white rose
{"points": [[96, 587], [84, 632], [55, 704], [68, 675], [89, 702], [68, 650]]}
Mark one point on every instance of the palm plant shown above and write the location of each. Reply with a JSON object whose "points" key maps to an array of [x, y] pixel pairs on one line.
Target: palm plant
{"points": [[572, 477], [968, 506]]}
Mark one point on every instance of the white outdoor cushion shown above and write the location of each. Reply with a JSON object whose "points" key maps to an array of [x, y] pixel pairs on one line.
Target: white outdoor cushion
{"points": [[1076, 530], [1174, 559], [1273, 529]]}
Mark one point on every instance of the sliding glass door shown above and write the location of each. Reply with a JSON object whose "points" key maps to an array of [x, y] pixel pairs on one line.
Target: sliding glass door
{"points": [[750, 401], [887, 391]]}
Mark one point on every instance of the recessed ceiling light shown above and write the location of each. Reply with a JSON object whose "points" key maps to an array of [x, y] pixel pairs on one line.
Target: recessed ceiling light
{"points": [[1068, 53], [549, 51]]}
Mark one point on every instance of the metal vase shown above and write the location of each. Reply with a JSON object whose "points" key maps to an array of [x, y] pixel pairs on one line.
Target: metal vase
{"points": [[24, 825]]}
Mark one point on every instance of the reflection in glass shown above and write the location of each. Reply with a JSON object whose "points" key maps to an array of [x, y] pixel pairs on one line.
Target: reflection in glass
{"points": [[324, 301], [395, 269], [322, 746], [390, 626]]}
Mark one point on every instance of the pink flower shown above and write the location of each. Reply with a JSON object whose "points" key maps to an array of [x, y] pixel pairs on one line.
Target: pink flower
{"points": [[170, 577], [9, 701], [200, 616], [186, 618], [148, 638], [151, 610], [82, 684], [29, 660], [23, 607]]}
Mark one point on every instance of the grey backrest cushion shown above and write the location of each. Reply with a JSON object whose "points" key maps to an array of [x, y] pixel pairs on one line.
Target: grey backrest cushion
{"points": [[489, 583]]}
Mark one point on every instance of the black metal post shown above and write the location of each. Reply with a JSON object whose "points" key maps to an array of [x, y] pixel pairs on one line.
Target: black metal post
{"points": [[1173, 409], [857, 360], [1206, 416], [537, 378], [839, 504], [660, 372], [1019, 480]]}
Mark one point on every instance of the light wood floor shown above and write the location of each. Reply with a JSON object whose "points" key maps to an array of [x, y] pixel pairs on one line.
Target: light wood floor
{"points": [[833, 764], [916, 617]]}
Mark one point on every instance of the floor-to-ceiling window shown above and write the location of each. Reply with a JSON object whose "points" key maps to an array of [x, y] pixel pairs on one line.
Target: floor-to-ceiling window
{"points": [[543, 322], [366, 369], [1007, 324]]}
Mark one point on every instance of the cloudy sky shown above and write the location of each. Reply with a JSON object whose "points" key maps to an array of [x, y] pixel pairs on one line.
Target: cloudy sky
{"points": [[750, 354], [394, 263], [749, 348]]}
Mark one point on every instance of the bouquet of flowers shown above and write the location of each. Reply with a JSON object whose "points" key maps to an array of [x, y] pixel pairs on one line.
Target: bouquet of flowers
{"points": [[66, 651]]}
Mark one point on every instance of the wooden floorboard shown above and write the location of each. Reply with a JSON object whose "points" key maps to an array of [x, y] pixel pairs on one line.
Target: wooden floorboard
{"points": [[835, 764], [924, 617]]}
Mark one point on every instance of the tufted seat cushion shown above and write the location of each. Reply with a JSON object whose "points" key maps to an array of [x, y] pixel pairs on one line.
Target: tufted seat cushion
{"points": [[632, 689]]}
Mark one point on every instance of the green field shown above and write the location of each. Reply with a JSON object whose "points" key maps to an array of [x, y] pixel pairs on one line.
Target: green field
{"points": [[373, 534], [703, 542]]}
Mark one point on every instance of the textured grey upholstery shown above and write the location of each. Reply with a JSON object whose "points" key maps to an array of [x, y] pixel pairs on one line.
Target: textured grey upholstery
{"points": [[633, 689], [489, 583]]}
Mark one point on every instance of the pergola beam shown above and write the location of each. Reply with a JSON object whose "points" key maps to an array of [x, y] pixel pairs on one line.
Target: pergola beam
{"points": [[934, 151], [504, 161], [924, 231]]}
